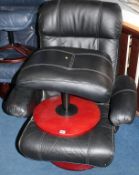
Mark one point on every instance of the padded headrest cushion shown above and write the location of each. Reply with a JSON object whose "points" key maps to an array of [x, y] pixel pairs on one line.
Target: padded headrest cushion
{"points": [[80, 18]]}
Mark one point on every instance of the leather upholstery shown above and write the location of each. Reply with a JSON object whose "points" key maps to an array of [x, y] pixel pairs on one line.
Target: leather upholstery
{"points": [[19, 16], [21, 2], [23, 15], [81, 72], [81, 24], [8, 70], [123, 101], [25, 100], [28, 35], [95, 147]]}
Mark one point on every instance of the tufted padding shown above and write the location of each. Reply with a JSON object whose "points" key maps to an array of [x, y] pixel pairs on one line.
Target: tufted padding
{"points": [[82, 24], [81, 72], [80, 18], [94, 148]]}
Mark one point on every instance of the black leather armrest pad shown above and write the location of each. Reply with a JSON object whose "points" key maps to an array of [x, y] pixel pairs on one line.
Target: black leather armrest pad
{"points": [[22, 101], [123, 102]]}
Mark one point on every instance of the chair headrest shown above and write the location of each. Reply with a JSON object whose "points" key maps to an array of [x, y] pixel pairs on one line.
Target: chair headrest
{"points": [[80, 18]]}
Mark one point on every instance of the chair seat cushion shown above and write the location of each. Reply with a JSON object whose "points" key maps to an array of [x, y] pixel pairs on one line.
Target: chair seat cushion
{"points": [[95, 147], [16, 18], [75, 71]]}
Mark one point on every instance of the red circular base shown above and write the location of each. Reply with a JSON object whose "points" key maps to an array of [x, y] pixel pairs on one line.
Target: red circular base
{"points": [[47, 119], [73, 166]]}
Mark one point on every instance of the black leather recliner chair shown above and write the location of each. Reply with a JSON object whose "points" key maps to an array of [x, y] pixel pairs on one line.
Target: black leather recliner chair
{"points": [[79, 56]]}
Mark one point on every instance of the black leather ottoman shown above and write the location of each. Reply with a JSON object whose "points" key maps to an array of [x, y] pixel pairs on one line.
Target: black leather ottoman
{"points": [[93, 148]]}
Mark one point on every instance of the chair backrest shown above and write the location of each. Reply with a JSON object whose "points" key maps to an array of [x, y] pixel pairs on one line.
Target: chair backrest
{"points": [[82, 24]]}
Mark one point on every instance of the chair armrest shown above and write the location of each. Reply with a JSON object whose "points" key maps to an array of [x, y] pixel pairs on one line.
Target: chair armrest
{"points": [[123, 101], [22, 101]]}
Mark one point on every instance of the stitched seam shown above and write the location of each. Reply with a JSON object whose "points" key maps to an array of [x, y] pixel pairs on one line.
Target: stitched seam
{"points": [[40, 146], [19, 143], [70, 69], [45, 37], [98, 26], [95, 54], [57, 12], [43, 50], [58, 18], [55, 80], [53, 146], [88, 149], [49, 65], [63, 51], [123, 90], [100, 17], [72, 61]]}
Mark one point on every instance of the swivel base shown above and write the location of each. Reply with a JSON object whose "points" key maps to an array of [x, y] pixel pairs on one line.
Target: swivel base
{"points": [[85, 115], [25, 52], [72, 166]]}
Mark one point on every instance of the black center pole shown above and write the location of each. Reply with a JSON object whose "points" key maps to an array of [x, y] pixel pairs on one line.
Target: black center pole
{"points": [[66, 109], [11, 37], [65, 102]]}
